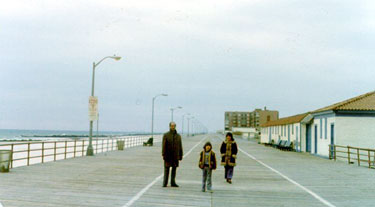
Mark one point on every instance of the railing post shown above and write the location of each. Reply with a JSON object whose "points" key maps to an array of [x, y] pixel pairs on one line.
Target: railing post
{"points": [[334, 152], [42, 152], [28, 154], [329, 152], [112, 144], [369, 159], [75, 145], [66, 144], [96, 150], [107, 145], [54, 153], [11, 161], [348, 155], [359, 160], [83, 148]]}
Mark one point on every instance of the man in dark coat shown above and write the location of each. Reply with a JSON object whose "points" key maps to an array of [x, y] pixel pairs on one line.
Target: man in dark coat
{"points": [[172, 152]]}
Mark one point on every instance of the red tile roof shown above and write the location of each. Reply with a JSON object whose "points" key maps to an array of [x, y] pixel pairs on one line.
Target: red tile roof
{"points": [[365, 102], [286, 120]]}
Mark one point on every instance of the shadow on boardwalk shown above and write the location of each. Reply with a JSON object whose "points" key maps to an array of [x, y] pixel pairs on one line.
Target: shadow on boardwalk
{"points": [[132, 177]]}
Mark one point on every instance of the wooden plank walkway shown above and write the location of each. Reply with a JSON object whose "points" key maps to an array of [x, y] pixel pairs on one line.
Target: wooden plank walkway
{"points": [[264, 177]]}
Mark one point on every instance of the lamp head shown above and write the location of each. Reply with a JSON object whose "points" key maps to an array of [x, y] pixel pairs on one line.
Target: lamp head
{"points": [[117, 58], [164, 94]]}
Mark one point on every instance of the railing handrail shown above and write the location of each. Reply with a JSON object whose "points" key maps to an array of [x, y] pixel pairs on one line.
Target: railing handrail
{"points": [[94, 138], [356, 151], [360, 148], [78, 149]]}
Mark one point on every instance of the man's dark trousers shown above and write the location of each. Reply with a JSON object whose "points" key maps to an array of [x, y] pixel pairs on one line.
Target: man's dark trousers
{"points": [[166, 175]]}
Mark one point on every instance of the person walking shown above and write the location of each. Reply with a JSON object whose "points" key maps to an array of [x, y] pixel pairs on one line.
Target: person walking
{"points": [[228, 152], [172, 153], [207, 162]]}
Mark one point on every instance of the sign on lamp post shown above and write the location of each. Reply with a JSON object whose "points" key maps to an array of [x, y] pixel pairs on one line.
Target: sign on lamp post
{"points": [[93, 108]]}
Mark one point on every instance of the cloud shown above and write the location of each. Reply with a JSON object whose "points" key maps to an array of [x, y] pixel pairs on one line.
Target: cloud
{"points": [[209, 56]]}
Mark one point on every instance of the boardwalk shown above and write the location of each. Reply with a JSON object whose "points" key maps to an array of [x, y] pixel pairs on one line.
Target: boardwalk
{"points": [[264, 177]]}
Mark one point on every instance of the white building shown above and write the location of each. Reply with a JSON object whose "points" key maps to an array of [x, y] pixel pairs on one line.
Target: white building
{"points": [[247, 132], [348, 123], [291, 129]]}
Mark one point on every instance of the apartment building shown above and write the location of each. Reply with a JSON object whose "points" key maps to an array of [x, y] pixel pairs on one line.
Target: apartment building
{"points": [[250, 119]]}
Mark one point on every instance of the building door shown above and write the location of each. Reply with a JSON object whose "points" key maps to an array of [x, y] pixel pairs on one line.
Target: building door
{"points": [[316, 138], [332, 138], [308, 138], [288, 133], [297, 142], [269, 134]]}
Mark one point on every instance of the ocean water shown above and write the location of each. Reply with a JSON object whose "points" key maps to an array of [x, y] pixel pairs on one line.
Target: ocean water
{"points": [[27, 135]]}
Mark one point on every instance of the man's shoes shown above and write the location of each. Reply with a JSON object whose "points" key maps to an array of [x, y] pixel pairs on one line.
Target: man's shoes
{"points": [[164, 186], [229, 181], [174, 185]]}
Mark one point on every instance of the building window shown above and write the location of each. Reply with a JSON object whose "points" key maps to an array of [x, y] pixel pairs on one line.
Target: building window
{"points": [[325, 128], [321, 128], [268, 118]]}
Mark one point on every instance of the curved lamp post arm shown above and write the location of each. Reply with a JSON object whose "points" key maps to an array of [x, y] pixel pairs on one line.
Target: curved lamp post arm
{"points": [[113, 57], [172, 109], [162, 94]]}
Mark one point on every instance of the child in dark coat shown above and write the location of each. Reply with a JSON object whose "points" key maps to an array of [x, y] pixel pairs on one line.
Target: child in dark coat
{"points": [[207, 162]]}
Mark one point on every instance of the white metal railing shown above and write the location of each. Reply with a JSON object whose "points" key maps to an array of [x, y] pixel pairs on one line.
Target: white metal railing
{"points": [[33, 152]]}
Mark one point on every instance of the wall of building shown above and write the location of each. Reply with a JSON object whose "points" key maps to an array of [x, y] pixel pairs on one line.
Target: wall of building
{"points": [[356, 131], [302, 146], [248, 132], [263, 114], [236, 119], [323, 126], [287, 132]]}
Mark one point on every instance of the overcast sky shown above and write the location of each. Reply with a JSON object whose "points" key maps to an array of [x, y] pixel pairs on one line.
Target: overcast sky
{"points": [[209, 56]]}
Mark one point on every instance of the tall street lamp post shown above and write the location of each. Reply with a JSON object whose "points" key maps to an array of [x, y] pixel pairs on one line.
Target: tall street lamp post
{"points": [[188, 118], [90, 150], [172, 109], [152, 119], [183, 118]]}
